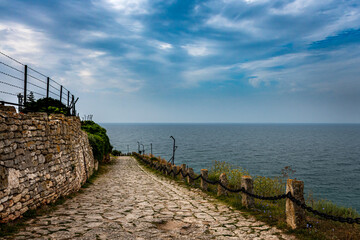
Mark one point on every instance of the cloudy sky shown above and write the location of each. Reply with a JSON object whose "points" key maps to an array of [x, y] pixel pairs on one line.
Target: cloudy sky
{"points": [[194, 61]]}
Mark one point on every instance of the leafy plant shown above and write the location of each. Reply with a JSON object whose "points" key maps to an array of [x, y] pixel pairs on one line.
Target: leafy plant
{"points": [[98, 139], [48, 105], [234, 174], [116, 152]]}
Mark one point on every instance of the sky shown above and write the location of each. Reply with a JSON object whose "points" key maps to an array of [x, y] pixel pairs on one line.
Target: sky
{"points": [[208, 61]]}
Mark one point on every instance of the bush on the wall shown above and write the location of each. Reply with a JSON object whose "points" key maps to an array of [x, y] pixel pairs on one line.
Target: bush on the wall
{"points": [[98, 139], [48, 105]]}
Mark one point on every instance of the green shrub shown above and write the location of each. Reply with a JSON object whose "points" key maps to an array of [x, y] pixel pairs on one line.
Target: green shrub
{"points": [[48, 105], [116, 152], [98, 139], [233, 174]]}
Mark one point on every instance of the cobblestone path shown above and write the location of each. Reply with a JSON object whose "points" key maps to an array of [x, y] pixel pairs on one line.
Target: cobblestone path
{"points": [[130, 203]]}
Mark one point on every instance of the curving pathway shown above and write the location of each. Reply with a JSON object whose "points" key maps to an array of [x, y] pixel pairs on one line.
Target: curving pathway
{"points": [[130, 203]]}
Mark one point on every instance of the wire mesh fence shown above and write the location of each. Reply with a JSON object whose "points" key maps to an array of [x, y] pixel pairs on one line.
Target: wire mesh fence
{"points": [[20, 83]]}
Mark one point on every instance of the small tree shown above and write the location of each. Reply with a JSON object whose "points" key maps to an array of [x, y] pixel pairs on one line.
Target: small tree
{"points": [[31, 97]]}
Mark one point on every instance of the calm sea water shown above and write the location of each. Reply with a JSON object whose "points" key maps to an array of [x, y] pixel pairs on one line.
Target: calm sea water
{"points": [[325, 156]]}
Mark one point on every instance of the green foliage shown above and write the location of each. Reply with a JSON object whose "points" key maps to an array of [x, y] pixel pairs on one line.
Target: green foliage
{"points": [[331, 208], [116, 152], [48, 105], [233, 174], [267, 186], [98, 139]]}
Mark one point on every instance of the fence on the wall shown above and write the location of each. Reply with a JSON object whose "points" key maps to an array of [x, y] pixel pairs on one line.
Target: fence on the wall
{"points": [[19, 81]]}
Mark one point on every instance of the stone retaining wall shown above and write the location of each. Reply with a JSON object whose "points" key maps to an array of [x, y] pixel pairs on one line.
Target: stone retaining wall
{"points": [[41, 158]]}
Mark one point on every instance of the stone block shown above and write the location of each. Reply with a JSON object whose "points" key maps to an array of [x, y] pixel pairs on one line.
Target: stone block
{"points": [[3, 178], [16, 198], [13, 178]]}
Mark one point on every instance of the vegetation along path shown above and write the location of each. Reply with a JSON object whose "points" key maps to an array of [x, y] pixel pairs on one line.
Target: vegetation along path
{"points": [[128, 202]]}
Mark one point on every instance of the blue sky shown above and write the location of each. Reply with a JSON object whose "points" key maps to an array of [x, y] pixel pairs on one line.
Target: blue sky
{"points": [[247, 61]]}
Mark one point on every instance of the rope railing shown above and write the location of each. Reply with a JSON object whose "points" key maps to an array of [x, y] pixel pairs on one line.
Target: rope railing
{"points": [[288, 195]]}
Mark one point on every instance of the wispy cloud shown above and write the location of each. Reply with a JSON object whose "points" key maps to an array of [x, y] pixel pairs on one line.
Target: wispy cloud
{"points": [[126, 46], [194, 77], [197, 50], [318, 71], [127, 7]]}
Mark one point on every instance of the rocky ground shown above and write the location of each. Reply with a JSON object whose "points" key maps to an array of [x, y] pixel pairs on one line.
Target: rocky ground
{"points": [[130, 203]]}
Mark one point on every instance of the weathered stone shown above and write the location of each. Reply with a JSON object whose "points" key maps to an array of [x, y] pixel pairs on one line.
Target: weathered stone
{"points": [[17, 198], [183, 168], [204, 184], [295, 215], [248, 185], [191, 173], [3, 177], [223, 179], [13, 178], [138, 205], [4, 108], [32, 161], [3, 127]]}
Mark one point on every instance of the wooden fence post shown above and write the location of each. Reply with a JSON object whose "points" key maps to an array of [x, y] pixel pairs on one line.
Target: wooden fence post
{"points": [[248, 184], [183, 169], [191, 173], [164, 165], [168, 169], [223, 179], [173, 168], [295, 215], [203, 184], [177, 171]]}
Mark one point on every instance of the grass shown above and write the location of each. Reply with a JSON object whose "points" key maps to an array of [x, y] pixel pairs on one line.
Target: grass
{"points": [[273, 212], [15, 226]]}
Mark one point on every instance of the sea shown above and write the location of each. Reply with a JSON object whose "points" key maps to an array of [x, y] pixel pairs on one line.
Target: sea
{"points": [[325, 156]]}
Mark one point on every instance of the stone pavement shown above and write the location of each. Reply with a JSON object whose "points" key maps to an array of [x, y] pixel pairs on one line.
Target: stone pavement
{"points": [[130, 203]]}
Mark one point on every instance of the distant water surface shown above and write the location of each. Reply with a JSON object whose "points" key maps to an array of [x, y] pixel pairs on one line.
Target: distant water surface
{"points": [[325, 156]]}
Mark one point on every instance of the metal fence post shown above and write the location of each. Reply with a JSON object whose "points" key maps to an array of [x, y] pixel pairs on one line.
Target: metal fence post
{"points": [[47, 87], [72, 105], [68, 98], [61, 87], [25, 83]]}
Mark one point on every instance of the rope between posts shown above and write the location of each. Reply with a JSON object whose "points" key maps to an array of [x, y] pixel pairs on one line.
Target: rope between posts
{"points": [[272, 198]]}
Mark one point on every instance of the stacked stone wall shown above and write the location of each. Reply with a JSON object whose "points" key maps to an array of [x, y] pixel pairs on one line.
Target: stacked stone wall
{"points": [[41, 159]]}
